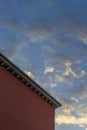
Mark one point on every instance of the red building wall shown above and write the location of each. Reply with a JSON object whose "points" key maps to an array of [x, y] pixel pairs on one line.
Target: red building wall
{"points": [[21, 108]]}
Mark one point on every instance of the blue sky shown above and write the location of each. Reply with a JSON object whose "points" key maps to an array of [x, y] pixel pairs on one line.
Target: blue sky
{"points": [[47, 39]]}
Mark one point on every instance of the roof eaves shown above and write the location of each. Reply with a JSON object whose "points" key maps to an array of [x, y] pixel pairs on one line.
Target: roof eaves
{"points": [[6, 63]]}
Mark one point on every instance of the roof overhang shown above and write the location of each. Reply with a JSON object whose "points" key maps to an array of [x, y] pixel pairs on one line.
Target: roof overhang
{"points": [[14, 70]]}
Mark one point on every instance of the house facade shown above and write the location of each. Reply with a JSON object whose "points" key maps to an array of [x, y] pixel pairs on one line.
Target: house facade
{"points": [[24, 105]]}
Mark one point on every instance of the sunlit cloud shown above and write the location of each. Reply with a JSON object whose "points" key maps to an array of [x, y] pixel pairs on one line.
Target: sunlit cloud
{"points": [[49, 70], [75, 99], [69, 70], [70, 119], [81, 110], [65, 116], [53, 85], [69, 73], [30, 74]]}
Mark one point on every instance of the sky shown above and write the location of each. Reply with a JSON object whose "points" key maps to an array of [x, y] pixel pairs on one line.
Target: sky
{"points": [[47, 39]]}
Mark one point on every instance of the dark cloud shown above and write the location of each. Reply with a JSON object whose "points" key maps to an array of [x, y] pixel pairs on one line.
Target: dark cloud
{"points": [[82, 47], [78, 90], [15, 24], [63, 58], [46, 24]]}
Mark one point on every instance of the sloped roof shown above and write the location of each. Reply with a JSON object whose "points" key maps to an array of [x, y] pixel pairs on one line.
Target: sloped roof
{"points": [[14, 70]]}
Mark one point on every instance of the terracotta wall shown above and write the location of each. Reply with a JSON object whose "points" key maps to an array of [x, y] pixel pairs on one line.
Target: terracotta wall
{"points": [[21, 108]]}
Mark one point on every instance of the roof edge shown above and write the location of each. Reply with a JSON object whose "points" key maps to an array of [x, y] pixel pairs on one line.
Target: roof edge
{"points": [[18, 73]]}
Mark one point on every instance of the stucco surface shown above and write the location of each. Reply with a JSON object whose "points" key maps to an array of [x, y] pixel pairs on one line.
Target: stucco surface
{"points": [[21, 108]]}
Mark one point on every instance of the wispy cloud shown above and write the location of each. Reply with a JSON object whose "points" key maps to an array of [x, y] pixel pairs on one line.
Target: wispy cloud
{"points": [[63, 78], [49, 70], [44, 27], [79, 90], [69, 70], [75, 99], [81, 110]]}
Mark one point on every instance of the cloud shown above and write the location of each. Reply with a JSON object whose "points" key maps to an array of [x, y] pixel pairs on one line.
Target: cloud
{"points": [[48, 48], [69, 70], [81, 110], [13, 49], [70, 119], [56, 26], [45, 24], [46, 81], [79, 90], [82, 47], [30, 74], [65, 115], [15, 24], [49, 70], [75, 99], [72, 70], [82, 126], [43, 81], [63, 78], [63, 59], [53, 85]]}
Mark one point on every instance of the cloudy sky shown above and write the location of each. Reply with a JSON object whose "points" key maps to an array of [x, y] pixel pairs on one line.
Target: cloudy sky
{"points": [[47, 39]]}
